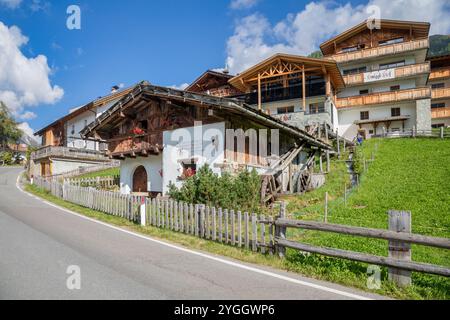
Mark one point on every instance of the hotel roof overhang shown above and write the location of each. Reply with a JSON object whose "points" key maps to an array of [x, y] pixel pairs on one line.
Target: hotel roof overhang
{"points": [[207, 80], [420, 29], [284, 64], [144, 92], [93, 104]]}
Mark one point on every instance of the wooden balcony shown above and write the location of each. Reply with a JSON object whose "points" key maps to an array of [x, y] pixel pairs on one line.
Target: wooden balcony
{"points": [[438, 113], [441, 93], [400, 72], [380, 51], [132, 146], [68, 153], [440, 73], [384, 97]]}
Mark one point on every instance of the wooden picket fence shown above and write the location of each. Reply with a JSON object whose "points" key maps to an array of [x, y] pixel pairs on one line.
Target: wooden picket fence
{"points": [[236, 228], [257, 233]]}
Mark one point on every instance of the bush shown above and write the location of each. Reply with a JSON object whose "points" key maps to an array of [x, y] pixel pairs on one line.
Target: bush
{"points": [[240, 192], [6, 158]]}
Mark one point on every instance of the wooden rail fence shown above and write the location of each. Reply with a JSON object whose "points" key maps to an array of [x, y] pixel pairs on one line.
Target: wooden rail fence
{"points": [[97, 182], [256, 232]]}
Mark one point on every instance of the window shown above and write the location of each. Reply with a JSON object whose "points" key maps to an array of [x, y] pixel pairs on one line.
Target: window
{"points": [[73, 129], [355, 70], [390, 65], [438, 105], [189, 170], [438, 125], [390, 41], [395, 112], [370, 131], [316, 108], [364, 115], [349, 49], [364, 91], [437, 85], [85, 123], [284, 110], [395, 88]]}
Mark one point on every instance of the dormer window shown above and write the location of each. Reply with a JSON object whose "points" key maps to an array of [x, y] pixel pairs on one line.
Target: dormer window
{"points": [[390, 41]]}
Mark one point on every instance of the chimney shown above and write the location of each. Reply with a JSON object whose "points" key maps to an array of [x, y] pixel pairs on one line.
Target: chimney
{"points": [[114, 89]]}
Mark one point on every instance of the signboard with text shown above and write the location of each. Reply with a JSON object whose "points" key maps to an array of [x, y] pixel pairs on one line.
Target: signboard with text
{"points": [[379, 75]]}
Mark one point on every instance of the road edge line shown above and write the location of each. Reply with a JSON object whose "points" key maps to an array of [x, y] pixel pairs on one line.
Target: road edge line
{"points": [[201, 254]]}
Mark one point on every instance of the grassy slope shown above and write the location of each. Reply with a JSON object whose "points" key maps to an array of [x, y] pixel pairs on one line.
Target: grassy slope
{"points": [[407, 174], [104, 173]]}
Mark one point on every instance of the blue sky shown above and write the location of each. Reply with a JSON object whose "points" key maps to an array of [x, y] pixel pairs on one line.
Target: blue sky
{"points": [[165, 42]]}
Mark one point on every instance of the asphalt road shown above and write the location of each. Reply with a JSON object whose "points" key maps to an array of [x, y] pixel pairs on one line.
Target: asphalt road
{"points": [[38, 242]]}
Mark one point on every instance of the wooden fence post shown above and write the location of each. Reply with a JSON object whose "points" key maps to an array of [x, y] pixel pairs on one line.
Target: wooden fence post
{"points": [[442, 132], [143, 212], [280, 232], [400, 221], [328, 162], [345, 194], [254, 233]]}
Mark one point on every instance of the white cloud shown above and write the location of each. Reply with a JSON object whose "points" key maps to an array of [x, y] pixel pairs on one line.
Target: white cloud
{"points": [[243, 4], [28, 115], [25, 127], [12, 4], [180, 87], [255, 38], [24, 82]]}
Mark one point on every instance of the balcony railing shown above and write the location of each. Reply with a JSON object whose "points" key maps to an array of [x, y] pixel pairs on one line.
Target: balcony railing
{"points": [[279, 94], [404, 71], [437, 113], [380, 51], [440, 73], [70, 153], [441, 93], [147, 143], [384, 97]]}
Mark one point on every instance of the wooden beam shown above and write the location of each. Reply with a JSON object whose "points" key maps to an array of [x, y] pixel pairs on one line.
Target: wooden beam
{"points": [[259, 93], [304, 88]]}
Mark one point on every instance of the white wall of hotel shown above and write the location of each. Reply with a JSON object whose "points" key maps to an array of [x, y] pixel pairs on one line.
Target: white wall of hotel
{"points": [[418, 111], [167, 167], [75, 125]]}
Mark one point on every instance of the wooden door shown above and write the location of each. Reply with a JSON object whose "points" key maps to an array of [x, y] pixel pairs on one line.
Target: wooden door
{"points": [[140, 180]]}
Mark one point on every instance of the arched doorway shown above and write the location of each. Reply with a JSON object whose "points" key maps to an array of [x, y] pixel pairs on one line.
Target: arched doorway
{"points": [[140, 180]]}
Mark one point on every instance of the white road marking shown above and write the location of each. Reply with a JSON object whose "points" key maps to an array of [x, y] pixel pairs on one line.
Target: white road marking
{"points": [[217, 259]]}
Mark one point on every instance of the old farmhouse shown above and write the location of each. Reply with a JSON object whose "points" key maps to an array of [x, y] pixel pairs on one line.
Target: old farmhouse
{"points": [[163, 136]]}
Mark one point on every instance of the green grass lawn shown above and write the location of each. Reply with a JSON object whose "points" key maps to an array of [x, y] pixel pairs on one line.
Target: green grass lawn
{"points": [[407, 174], [104, 173]]}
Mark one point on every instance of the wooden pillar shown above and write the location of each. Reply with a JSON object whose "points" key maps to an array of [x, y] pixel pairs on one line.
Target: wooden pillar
{"points": [[304, 88], [259, 93], [321, 161], [328, 85], [328, 161], [400, 221]]}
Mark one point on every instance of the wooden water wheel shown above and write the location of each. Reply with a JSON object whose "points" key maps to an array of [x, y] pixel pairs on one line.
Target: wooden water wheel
{"points": [[269, 189]]}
